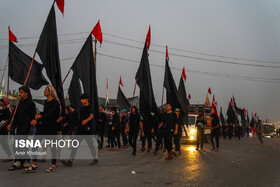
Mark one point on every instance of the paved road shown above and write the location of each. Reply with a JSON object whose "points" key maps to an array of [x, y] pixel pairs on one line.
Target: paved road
{"points": [[238, 163]]}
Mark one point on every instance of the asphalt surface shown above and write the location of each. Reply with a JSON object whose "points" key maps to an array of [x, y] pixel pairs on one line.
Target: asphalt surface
{"points": [[242, 162]]}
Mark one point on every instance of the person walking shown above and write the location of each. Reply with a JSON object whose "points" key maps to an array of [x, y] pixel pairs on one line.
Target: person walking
{"points": [[260, 130], [178, 136], [200, 126], [46, 124], [102, 118], [215, 132], [25, 113], [133, 125]]}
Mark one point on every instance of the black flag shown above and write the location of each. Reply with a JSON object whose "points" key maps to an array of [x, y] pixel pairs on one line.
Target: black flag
{"points": [[231, 114], [19, 64], [148, 105], [122, 101], [85, 70], [239, 112], [222, 117], [75, 92], [183, 98], [47, 48], [171, 89]]}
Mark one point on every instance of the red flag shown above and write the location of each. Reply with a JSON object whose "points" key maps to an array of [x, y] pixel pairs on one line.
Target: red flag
{"points": [[209, 90], [97, 32], [213, 98], [184, 74], [189, 96], [121, 81], [12, 37], [60, 5], [166, 54], [148, 38], [255, 115]]}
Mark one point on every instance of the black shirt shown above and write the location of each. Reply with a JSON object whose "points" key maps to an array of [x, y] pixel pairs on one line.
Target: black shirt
{"points": [[115, 121], [4, 115], [169, 121], [85, 112], [180, 122], [48, 121], [134, 120], [102, 116], [26, 112], [215, 122]]}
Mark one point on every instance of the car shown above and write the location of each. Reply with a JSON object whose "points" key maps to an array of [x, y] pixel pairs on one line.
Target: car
{"points": [[268, 130]]}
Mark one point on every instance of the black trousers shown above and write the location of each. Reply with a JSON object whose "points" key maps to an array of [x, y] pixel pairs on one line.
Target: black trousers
{"points": [[124, 136], [167, 136], [89, 140], [101, 135], [115, 134], [53, 149], [148, 136], [133, 140], [159, 139], [177, 139], [215, 134], [200, 135]]}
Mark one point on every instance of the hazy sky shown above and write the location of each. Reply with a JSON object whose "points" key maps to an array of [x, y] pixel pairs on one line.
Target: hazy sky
{"points": [[236, 28]]}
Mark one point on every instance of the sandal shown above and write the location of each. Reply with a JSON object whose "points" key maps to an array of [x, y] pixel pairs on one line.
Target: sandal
{"points": [[31, 169], [15, 167], [51, 169]]}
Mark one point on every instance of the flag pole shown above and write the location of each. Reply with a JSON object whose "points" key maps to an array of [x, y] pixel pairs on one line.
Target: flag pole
{"points": [[95, 42], [133, 95], [162, 98], [66, 76]]}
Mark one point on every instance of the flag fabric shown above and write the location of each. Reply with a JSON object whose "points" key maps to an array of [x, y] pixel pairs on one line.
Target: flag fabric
{"points": [[148, 38], [97, 33], [209, 90], [122, 100], [252, 123], [214, 109], [75, 92], [19, 64], [239, 111], [12, 37], [184, 74], [183, 98], [60, 5], [231, 114], [120, 83], [189, 96], [47, 49], [222, 117], [84, 68], [172, 96], [107, 93], [148, 106]]}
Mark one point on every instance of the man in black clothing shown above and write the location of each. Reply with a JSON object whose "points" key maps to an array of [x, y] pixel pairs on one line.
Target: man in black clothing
{"points": [[124, 120], [85, 127], [200, 125], [114, 129], [215, 131], [133, 125], [178, 136], [148, 127], [25, 113], [170, 128], [101, 125], [159, 132]]}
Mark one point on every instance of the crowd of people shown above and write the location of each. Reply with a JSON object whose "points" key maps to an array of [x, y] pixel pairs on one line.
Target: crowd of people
{"points": [[122, 128]]}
